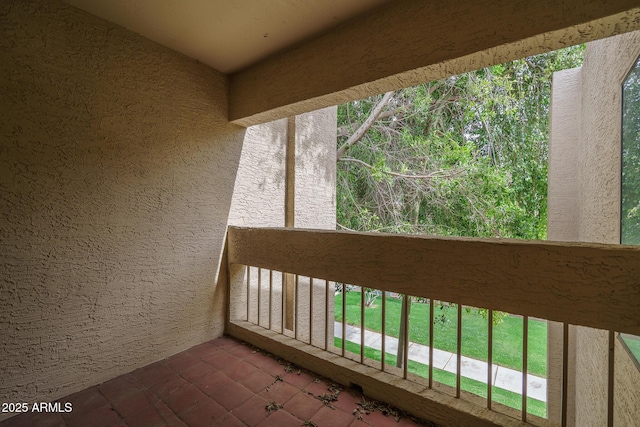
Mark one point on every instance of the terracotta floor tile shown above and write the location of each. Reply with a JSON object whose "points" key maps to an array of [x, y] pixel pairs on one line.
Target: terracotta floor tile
{"points": [[212, 382], [258, 359], [181, 361], [85, 401], [252, 411], [348, 400], [303, 406], [332, 417], [317, 388], [34, 419], [148, 417], [219, 383], [206, 413], [132, 403], [226, 342], [221, 360], [300, 380], [230, 396], [169, 417], [213, 357], [206, 353], [239, 370], [231, 421], [257, 381], [241, 351], [282, 418], [185, 398], [269, 365], [197, 371], [279, 392], [168, 385], [104, 416], [118, 388], [154, 375]]}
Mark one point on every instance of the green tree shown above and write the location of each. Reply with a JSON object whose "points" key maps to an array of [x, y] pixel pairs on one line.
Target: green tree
{"points": [[463, 156]]}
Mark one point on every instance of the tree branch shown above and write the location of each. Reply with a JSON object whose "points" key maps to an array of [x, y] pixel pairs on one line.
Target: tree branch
{"points": [[362, 130], [402, 175]]}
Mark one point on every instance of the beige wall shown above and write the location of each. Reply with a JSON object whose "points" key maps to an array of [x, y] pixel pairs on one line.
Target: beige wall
{"points": [[119, 173], [258, 201], [589, 207], [117, 169]]}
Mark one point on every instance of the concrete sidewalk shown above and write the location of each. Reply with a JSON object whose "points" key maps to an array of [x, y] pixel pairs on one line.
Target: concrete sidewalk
{"points": [[504, 378]]}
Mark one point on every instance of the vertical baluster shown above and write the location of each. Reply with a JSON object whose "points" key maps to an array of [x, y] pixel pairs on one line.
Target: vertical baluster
{"points": [[259, 289], [282, 302], [384, 328], [490, 359], [431, 308], [405, 320], [344, 313], [248, 290], [270, 296], [565, 371], [362, 324], [459, 352], [295, 308], [612, 346], [326, 315], [310, 310], [525, 344]]}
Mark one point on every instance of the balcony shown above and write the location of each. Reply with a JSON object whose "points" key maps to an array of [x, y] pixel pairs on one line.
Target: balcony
{"points": [[283, 283], [222, 382]]}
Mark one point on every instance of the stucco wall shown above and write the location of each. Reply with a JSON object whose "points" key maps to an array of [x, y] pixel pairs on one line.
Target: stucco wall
{"points": [[259, 193], [258, 201], [597, 196], [119, 173], [117, 167]]}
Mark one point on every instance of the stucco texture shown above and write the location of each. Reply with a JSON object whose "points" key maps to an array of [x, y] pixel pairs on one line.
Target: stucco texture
{"points": [[258, 201], [117, 167], [586, 207]]}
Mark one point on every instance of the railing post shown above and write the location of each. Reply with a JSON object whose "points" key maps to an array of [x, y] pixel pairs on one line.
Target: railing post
{"points": [[611, 379], [489, 359], [525, 363], [289, 209], [431, 308]]}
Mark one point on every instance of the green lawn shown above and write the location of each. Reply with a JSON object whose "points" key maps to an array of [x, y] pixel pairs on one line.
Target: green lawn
{"points": [[507, 336], [499, 395]]}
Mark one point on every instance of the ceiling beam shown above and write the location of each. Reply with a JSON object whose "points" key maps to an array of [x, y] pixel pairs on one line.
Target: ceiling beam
{"points": [[408, 42]]}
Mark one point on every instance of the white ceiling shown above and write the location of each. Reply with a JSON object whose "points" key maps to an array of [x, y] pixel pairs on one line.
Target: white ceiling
{"points": [[227, 35]]}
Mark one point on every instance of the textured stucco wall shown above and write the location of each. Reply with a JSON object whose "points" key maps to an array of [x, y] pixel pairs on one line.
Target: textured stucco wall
{"points": [[564, 145], [605, 67], [117, 167], [259, 192], [597, 154], [258, 201]]}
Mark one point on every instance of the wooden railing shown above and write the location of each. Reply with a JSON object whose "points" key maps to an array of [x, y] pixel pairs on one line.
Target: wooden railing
{"points": [[579, 284]]}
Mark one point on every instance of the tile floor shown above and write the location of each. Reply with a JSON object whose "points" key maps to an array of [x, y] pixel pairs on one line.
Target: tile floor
{"points": [[219, 383]]}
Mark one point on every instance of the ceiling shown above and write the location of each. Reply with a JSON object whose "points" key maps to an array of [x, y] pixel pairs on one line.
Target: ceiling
{"points": [[227, 35]]}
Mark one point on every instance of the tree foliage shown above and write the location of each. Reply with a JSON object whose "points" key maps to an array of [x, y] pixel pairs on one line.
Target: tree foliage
{"points": [[463, 156]]}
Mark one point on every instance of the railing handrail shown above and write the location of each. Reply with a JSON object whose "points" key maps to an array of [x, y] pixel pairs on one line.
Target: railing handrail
{"points": [[584, 284]]}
